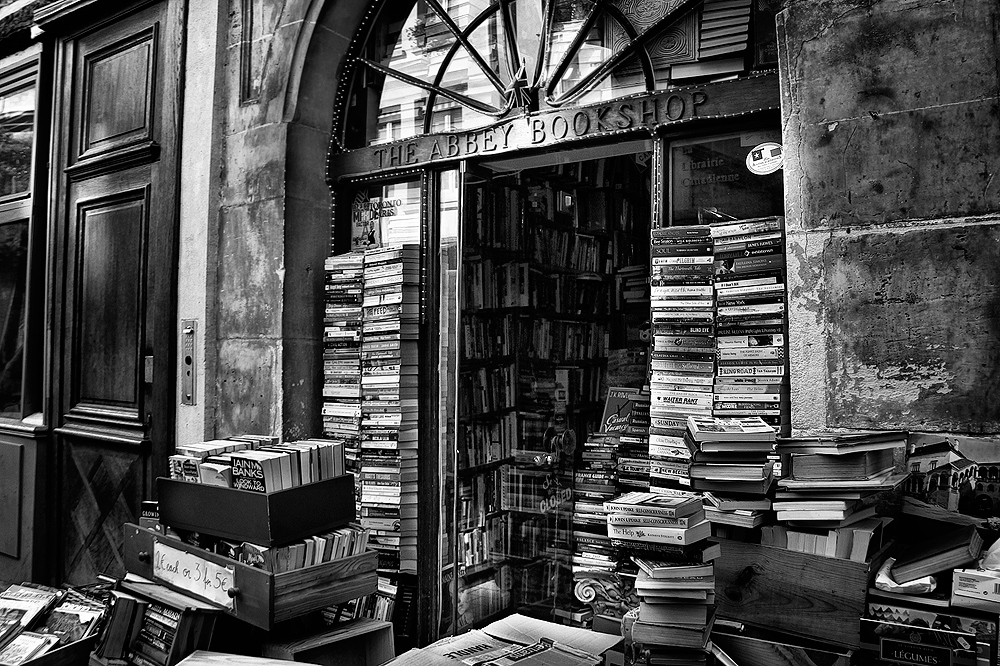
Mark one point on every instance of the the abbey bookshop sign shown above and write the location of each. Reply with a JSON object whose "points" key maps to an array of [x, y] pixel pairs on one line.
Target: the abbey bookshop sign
{"points": [[544, 129]]}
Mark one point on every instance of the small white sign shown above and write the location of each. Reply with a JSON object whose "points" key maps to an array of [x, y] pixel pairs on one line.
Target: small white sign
{"points": [[765, 158], [189, 572]]}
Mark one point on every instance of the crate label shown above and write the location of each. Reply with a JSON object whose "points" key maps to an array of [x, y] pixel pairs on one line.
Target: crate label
{"points": [[189, 572]]}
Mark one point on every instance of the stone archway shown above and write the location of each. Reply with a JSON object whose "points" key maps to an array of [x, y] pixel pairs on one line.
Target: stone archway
{"points": [[275, 217]]}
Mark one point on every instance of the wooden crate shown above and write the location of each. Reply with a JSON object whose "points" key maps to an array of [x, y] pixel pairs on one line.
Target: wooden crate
{"points": [[750, 649], [261, 598], [73, 654], [361, 642], [817, 597], [265, 519]]}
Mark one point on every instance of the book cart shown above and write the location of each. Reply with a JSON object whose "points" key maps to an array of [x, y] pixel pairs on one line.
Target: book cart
{"points": [[264, 600]]}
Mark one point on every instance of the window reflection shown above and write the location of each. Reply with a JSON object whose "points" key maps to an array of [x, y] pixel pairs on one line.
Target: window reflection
{"points": [[17, 117], [13, 265]]}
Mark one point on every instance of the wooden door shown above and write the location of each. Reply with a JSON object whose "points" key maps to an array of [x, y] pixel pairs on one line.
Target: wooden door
{"points": [[115, 240]]}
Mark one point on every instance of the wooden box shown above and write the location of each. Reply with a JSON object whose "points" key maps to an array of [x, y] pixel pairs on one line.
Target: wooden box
{"points": [[360, 642], [261, 518], [73, 654], [817, 597], [258, 597], [752, 648]]}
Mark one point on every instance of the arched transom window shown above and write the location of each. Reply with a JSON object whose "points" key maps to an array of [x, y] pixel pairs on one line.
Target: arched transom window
{"points": [[444, 65]]}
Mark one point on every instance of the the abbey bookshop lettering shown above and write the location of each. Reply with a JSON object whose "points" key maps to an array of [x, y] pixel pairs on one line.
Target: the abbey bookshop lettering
{"points": [[548, 128], [543, 129]]}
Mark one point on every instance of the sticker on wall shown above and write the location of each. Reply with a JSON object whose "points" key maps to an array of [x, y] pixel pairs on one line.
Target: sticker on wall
{"points": [[765, 158]]}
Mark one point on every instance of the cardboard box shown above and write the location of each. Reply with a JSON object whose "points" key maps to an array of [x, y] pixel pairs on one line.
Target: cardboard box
{"points": [[977, 583], [885, 642], [266, 519], [820, 598], [950, 632]]}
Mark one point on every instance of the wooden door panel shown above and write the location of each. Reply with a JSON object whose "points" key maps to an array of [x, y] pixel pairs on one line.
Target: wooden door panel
{"points": [[112, 285], [118, 103], [104, 485]]}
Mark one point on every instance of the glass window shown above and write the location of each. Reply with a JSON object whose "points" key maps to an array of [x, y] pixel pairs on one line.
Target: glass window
{"points": [[716, 178], [18, 99], [17, 119], [13, 275], [434, 67]]}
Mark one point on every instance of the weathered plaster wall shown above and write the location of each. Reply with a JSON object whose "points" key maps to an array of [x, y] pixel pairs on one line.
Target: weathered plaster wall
{"points": [[891, 122], [281, 70]]}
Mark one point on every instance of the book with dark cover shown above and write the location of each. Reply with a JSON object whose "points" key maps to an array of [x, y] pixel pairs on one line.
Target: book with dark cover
{"points": [[945, 551], [675, 635], [703, 551]]}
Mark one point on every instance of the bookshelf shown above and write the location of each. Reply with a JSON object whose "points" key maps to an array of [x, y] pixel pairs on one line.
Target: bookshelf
{"points": [[553, 282]]}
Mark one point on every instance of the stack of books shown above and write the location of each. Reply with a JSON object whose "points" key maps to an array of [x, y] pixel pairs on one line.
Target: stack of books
{"points": [[627, 415], [258, 463], [676, 611], [594, 480], [751, 321], [730, 464], [593, 561], [388, 462], [682, 361], [342, 352], [828, 503], [671, 524]]}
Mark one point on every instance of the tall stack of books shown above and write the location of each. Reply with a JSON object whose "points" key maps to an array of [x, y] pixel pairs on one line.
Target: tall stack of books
{"points": [[682, 361], [667, 537], [342, 352], [389, 402], [751, 321], [828, 503], [730, 464]]}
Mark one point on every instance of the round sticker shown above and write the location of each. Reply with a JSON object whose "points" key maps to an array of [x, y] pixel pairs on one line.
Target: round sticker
{"points": [[765, 158]]}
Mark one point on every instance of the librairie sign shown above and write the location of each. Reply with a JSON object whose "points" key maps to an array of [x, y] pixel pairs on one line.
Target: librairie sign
{"points": [[189, 572], [651, 111]]}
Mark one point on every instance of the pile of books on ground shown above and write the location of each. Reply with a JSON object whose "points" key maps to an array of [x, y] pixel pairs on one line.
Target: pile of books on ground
{"points": [[828, 504], [388, 461], [36, 619], [258, 463], [751, 322], [682, 361], [731, 464], [667, 537], [342, 352]]}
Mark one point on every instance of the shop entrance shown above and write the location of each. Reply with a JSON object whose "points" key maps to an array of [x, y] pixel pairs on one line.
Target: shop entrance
{"points": [[554, 303]]}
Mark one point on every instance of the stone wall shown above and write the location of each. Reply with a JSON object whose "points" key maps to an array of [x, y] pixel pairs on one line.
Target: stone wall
{"points": [[891, 122], [282, 66]]}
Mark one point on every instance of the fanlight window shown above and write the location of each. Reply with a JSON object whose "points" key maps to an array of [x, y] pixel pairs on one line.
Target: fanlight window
{"points": [[459, 64]]}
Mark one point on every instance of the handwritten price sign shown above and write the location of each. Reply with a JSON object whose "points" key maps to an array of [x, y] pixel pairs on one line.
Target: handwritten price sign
{"points": [[189, 572]]}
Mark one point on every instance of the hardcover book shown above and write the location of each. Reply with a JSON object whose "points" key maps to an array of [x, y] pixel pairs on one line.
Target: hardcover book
{"points": [[948, 551]]}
